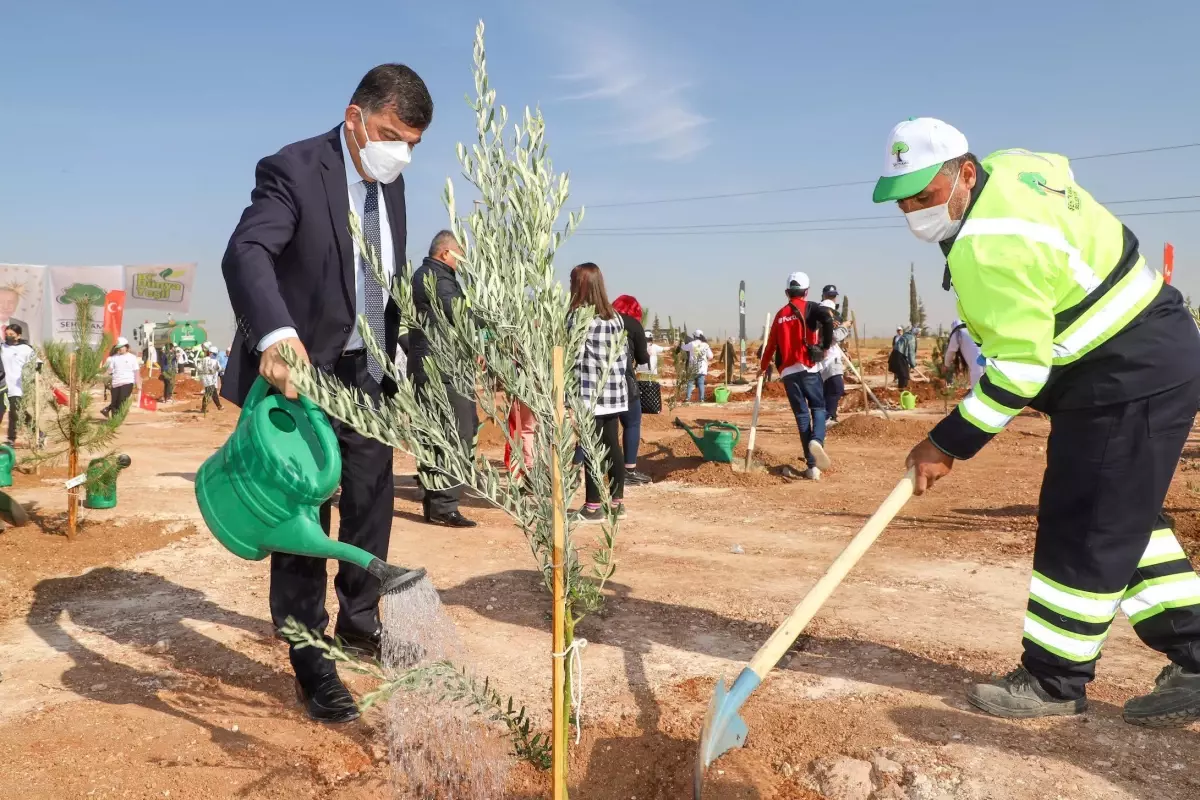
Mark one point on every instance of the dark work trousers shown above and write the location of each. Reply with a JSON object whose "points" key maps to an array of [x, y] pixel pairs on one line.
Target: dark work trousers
{"points": [[1102, 542], [168, 386], [438, 503], [119, 395], [610, 448], [806, 395], [835, 387], [631, 424], [367, 498], [15, 407]]}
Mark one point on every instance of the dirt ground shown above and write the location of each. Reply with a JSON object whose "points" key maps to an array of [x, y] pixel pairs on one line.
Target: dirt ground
{"points": [[139, 661]]}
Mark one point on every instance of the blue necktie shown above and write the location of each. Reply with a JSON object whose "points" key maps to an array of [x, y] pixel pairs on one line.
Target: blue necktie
{"points": [[371, 288]]}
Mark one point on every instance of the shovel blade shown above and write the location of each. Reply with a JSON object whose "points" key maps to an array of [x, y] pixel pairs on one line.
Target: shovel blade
{"points": [[724, 729]]}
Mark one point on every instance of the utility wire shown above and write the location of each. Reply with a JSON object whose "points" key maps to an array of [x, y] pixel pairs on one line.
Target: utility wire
{"points": [[727, 195], [633, 232]]}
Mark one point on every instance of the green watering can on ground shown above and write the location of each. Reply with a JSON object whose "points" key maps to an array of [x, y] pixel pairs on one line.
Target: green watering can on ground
{"points": [[721, 395], [717, 443], [908, 401], [8, 460], [262, 492], [102, 481]]}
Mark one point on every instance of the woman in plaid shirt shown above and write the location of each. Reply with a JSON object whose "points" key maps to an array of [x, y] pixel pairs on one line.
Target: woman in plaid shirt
{"points": [[607, 394]]}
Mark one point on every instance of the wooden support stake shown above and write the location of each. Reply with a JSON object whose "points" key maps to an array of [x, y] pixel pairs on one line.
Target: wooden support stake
{"points": [[858, 356], [73, 452], [757, 399], [559, 565], [36, 444]]}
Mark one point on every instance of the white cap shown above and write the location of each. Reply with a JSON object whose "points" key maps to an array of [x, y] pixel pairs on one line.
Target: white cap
{"points": [[212, 348], [649, 334], [122, 342], [798, 280], [698, 332], [916, 150]]}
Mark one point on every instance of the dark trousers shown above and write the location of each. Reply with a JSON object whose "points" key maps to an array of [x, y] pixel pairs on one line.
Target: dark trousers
{"points": [[168, 386], [835, 387], [1102, 541], [15, 407], [119, 395], [806, 395], [367, 498], [631, 425], [210, 393], [438, 503], [608, 426]]}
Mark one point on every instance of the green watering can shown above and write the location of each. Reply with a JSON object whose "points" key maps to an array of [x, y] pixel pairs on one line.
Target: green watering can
{"points": [[908, 401], [262, 492], [8, 459], [717, 443], [721, 395]]}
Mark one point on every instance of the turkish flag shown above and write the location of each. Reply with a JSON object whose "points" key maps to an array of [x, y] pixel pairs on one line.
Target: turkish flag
{"points": [[1168, 261], [60, 396], [147, 402], [114, 312]]}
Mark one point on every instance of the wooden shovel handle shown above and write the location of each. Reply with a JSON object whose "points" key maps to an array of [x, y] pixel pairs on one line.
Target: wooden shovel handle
{"points": [[774, 648]]}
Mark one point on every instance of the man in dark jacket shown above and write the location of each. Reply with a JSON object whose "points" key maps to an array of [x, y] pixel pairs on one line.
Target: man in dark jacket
{"points": [[440, 506]]}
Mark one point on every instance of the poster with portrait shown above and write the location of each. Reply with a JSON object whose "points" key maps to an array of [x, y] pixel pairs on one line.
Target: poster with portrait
{"points": [[69, 285], [164, 287], [22, 299]]}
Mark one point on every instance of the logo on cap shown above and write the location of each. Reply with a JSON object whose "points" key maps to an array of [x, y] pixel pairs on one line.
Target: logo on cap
{"points": [[898, 150]]}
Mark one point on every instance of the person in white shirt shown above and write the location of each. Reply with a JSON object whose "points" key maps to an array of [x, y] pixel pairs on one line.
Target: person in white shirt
{"points": [[699, 355], [833, 366], [210, 376], [14, 354], [126, 372], [961, 344], [653, 348]]}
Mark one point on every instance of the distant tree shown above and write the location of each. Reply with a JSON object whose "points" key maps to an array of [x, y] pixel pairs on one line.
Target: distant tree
{"points": [[845, 306], [645, 316], [657, 328], [670, 330], [914, 302]]}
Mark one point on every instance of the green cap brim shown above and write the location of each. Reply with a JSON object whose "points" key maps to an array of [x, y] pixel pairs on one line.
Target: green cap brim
{"points": [[899, 187]]}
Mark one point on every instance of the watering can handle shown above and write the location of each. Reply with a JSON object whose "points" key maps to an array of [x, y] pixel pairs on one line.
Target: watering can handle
{"points": [[737, 432], [260, 390]]}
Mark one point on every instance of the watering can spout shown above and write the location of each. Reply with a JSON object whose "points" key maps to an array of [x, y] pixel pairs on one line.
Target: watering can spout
{"points": [[394, 578]]}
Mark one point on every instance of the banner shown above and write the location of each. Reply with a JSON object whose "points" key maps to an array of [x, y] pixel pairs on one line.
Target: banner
{"points": [[1168, 261], [742, 322], [22, 299], [165, 287], [68, 285]]}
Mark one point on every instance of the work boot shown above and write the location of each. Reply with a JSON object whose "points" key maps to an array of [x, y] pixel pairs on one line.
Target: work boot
{"points": [[1018, 695], [1174, 702], [819, 455]]}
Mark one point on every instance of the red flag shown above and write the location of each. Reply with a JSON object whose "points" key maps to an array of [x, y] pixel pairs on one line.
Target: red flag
{"points": [[1168, 261], [114, 312], [147, 402], [60, 396]]}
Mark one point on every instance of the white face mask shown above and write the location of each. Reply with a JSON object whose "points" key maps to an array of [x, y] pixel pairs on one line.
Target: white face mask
{"points": [[383, 161], [934, 224]]}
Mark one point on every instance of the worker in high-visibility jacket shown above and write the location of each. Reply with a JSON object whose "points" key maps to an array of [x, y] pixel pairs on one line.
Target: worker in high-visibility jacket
{"points": [[1071, 321]]}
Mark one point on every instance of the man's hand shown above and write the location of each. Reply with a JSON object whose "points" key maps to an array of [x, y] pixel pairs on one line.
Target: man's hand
{"points": [[931, 464], [272, 366]]}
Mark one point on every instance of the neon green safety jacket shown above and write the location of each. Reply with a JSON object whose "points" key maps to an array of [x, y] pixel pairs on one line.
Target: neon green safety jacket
{"points": [[1048, 281]]}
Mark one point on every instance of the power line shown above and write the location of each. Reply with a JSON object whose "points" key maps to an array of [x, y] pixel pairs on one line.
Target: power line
{"points": [[635, 232], [728, 195]]}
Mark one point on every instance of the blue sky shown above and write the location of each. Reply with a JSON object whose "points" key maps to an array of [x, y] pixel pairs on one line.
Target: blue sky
{"points": [[132, 128]]}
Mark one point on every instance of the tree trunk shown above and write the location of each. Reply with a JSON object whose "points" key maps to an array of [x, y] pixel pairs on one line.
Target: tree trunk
{"points": [[559, 703], [72, 452]]}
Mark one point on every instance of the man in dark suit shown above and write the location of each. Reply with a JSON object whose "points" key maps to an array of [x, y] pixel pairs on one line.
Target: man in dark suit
{"points": [[440, 506], [296, 277]]}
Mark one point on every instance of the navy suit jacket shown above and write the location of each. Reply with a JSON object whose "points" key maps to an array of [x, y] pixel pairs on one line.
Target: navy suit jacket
{"points": [[290, 260]]}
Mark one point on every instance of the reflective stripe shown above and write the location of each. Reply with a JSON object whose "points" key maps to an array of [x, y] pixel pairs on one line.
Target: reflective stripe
{"points": [[1084, 275], [983, 412], [1162, 548], [1067, 646], [1114, 308], [1094, 609], [1019, 372], [1169, 594]]}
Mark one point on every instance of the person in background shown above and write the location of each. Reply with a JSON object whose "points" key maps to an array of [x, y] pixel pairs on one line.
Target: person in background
{"points": [[210, 376], [608, 399], [654, 350], [903, 357], [631, 419], [170, 371], [126, 371], [223, 360], [800, 334], [14, 354], [833, 366], [699, 355], [962, 347], [440, 506]]}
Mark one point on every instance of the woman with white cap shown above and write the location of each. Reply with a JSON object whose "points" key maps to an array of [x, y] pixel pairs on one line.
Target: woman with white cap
{"points": [[699, 355], [126, 372]]}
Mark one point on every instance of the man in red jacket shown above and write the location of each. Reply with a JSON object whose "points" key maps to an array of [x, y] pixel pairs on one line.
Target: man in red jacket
{"points": [[800, 335]]}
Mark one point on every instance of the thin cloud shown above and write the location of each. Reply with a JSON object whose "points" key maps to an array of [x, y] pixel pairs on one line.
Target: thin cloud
{"points": [[649, 104]]}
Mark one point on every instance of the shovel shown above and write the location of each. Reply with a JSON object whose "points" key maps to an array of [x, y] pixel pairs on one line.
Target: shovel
{"points": [[757, 405], [723, 728]]}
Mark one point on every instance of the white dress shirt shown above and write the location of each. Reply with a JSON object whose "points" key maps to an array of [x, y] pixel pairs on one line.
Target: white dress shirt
{"points": [[358, 198]]}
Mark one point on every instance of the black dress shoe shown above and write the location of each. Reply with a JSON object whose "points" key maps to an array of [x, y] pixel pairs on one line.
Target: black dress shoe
{"points": [[451, 520], [326, 699], [361, 644]]}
